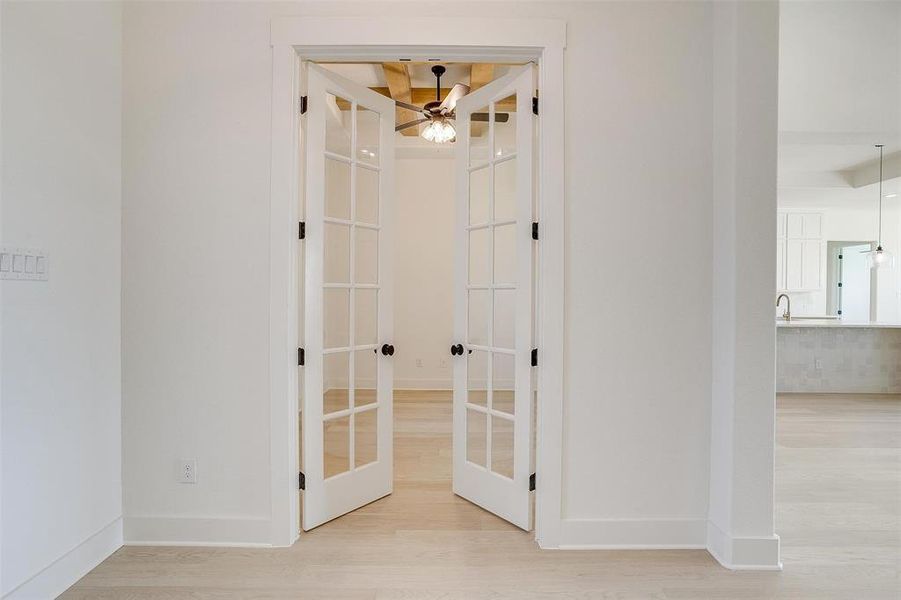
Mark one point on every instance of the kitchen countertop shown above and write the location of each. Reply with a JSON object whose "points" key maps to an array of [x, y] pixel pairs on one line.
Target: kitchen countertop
{"points": [[836, 323]]}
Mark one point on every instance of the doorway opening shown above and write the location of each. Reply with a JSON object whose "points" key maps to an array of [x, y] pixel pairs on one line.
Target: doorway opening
{"points": [[415, 245], [851, 284]]}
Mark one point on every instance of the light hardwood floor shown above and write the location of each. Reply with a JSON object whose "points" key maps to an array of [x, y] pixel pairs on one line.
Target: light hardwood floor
{"points": [[838, 488]]}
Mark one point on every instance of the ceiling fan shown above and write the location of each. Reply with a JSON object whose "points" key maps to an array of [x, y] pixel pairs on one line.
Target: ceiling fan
{"points": [[439, 113]]}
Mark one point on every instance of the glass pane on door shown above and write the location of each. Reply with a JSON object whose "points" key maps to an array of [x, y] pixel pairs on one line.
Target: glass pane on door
{"points": [[479, 318], [367, 196], [502, 446], [505, 190], [335, 318], [478, 140], [505, 254], [336, 443], [366, 316], [337, 189], [479, 194], [337, 253], [480, 256], [365, 377], [367, 136], [366, 256], [365, 437], [477, 378], [505, 132], [502, 381], [476, 436], [335, 378], [504, 324], [337, 126]]}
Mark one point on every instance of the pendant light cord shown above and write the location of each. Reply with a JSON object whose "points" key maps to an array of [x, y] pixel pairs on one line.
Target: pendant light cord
{"points": [[879, 241]]}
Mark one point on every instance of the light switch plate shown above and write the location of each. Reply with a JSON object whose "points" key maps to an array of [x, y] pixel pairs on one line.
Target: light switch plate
{"points": [[28, 264]]}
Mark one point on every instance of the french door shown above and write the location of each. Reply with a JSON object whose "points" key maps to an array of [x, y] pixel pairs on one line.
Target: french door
{"points": [[346, 404], [493, 297]]}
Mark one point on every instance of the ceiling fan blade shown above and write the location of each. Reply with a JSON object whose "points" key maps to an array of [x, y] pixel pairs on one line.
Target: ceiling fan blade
{"points": [[450, 101], [409, 124], [483, 117], [412, 107]]}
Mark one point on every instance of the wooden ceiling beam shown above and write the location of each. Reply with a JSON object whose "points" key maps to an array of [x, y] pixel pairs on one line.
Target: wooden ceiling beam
{"points": [[398, 77], [480, 74], [422, 95]]}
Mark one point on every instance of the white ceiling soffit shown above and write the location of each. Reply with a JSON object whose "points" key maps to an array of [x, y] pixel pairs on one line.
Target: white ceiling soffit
{"points": [[839, 92]]}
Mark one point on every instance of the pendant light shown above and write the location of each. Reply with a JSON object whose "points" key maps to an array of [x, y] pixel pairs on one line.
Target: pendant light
{"points": [[879, 258]]}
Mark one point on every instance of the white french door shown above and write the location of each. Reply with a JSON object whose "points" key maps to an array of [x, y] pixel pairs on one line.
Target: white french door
{"points": [[346, 404], [493, 297]]}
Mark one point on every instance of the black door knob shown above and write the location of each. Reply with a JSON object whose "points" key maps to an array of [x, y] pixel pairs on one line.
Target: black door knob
{"points": [[387, 349], [457, 349]]}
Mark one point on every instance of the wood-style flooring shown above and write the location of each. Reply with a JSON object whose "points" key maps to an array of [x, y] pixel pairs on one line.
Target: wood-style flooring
{"points": [[838, 488]]}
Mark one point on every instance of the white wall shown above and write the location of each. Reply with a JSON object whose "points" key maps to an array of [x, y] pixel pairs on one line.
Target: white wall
{"points": [[424, 272], [61, 189], [638, 348], [742, 433]]}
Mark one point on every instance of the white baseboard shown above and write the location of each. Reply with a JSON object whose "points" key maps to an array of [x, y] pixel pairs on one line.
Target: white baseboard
{"points": [[743, 553], [603, 534], [423, 384], [190, 531], [418, 384], [62, 573]]}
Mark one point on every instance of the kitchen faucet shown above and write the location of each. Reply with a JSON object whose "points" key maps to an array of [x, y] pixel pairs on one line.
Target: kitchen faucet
{"points": [[787, 315]]}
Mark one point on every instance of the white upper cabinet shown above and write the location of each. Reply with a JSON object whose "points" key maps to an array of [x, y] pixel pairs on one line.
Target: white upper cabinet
{"points": [[799, 251]]}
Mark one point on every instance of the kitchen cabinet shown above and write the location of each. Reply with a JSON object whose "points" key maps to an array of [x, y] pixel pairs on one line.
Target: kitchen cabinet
{"points": [[799, 251]]}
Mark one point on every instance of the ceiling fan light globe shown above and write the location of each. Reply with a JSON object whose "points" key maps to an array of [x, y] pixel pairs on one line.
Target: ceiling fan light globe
{"points": [[439, 131], [880, 259], [428, 132]]}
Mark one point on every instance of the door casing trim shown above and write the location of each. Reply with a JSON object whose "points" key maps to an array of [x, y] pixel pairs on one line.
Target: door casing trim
{"points": [[295, 39]]}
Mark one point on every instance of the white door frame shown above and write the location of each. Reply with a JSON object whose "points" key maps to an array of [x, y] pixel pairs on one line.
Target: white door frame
{"points": [[294, 39]]}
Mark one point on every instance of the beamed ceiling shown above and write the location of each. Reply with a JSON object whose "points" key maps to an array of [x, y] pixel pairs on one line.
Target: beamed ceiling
{"points": [[414, 83]]}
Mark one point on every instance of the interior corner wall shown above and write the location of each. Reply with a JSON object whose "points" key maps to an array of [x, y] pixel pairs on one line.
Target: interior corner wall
{"points": [[61, 386], [740, 532]]}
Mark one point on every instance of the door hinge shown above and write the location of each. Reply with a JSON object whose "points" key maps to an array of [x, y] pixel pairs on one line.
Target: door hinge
{"points": [[534, 357], [531, 482], [535, 105], [839, 256], [303, 105], [301, 481], [535, 230], [300, 357], [839, 284], [302, 231]]}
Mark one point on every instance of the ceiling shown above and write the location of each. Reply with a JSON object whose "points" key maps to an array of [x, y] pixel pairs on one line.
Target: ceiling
{"points": [[839, 93], [414, 83]]}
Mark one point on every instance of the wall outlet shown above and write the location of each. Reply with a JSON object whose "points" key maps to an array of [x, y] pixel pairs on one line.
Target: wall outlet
{"points": [[442, 363], [817, 364], [419, 362], [187, 470]]}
